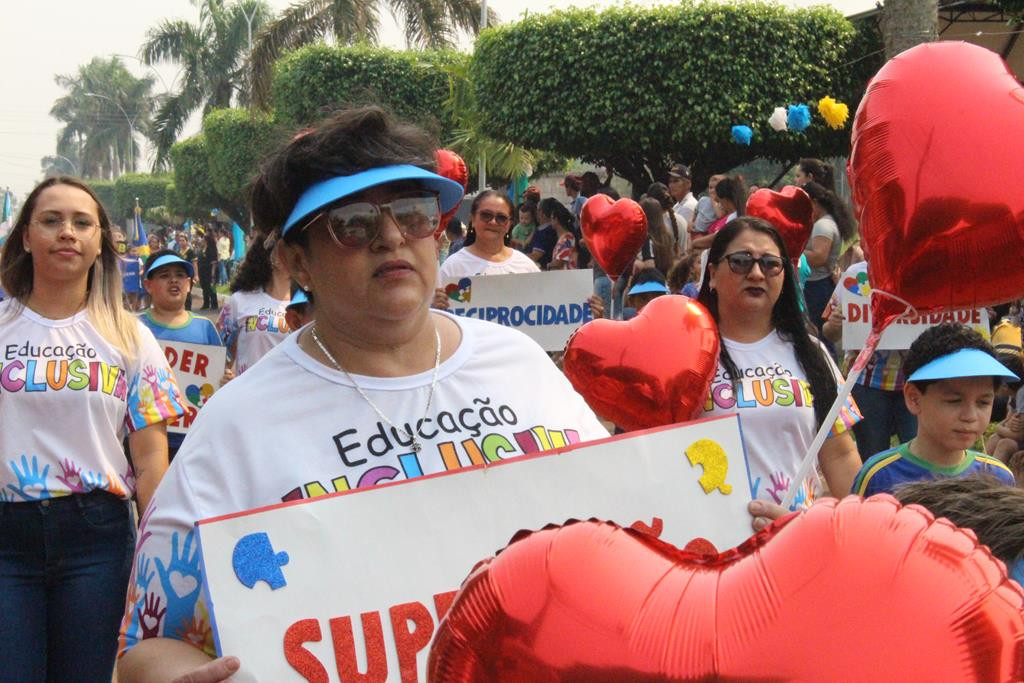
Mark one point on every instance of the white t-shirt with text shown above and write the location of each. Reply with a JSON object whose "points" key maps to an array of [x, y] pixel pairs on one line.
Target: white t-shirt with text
{"points": [[464, 264], [255, 320], [67, 399], [776, 410], [293, 428]]}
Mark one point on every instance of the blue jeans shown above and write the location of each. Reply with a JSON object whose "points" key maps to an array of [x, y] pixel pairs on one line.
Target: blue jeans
{"points": [[885, 413], [64, 567]]}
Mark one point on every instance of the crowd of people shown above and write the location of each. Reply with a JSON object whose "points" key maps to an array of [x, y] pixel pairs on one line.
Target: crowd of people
{"points": [[344, 368]]}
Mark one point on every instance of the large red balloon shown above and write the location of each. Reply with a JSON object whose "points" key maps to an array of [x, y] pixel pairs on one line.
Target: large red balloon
{"points": [[938, 143], [451, 166], [614, 230], [858, 590], [790, 211], [653, 370]]}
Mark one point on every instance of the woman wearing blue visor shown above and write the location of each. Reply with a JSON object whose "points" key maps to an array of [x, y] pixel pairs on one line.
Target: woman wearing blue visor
{"points": [[377, 388]]}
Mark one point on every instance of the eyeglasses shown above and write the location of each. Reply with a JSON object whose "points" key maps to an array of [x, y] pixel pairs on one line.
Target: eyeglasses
{"points": [[491, 217], [53, 223], [742, 262], [356, 225]]}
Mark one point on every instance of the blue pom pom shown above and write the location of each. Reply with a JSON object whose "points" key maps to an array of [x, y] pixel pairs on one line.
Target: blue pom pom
{"points": [[742, 135], [799, 117]]}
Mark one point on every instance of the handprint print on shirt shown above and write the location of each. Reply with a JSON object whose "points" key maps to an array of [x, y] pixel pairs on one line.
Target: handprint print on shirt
{"points": [[199, 634], [71, 476], [29, 477], [780, 484], [181, 580], [95, 480], [149, 618]]}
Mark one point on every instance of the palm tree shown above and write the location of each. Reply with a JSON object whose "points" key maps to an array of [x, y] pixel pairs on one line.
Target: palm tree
{"points": [[906, 23], [212, 55], [103, 106], [427, 23]]}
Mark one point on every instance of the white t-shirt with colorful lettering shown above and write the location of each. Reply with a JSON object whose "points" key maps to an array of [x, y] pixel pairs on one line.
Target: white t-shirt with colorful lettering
{"points": [[293, 428], [255, 320], [776, 411], [67, 399]]}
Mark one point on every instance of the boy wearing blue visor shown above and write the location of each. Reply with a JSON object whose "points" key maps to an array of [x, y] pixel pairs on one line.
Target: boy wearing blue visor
{"points": [[952, 377]]}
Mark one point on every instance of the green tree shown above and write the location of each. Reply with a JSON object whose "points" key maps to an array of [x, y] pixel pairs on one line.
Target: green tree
{"points": [[102, 103], [428, 24], [633, 89], [212, 54], [314, 80]]}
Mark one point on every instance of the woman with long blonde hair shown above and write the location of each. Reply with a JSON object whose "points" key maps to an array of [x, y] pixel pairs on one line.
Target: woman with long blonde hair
{"points": [[77, 373]]}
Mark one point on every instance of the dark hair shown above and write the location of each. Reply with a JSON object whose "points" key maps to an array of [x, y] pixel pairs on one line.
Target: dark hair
{"points": [[455, 227], [732, 188], [679, 274], [834, 206], [991, 509], [573, 182], [529, 207], [648, 274], [942, 340], [820, 172], [488, 194], [660, 192], [351, 141], [609, 191], [1015, 364], [555, 210], [154, 256], [789, 321], [589, 182], [255, 271]]}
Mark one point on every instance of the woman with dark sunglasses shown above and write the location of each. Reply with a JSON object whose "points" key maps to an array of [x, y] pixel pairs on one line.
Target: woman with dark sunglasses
{"points": [[487, 250], [771, 371], [377, 388]]}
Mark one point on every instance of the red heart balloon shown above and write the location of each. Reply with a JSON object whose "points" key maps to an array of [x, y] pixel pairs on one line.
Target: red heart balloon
{"points": [[451, 166], [614, 230], [790, 211], [653, 370], [858, 590], [935, 170]]}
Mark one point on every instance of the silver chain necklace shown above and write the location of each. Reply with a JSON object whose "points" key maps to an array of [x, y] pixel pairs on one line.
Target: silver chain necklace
{"points": [[416, 445]]}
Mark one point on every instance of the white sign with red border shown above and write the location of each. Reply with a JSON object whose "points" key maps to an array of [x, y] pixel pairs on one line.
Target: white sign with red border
{"points": [[547, 306], [357, 581], [854, 298], [198, 369]]}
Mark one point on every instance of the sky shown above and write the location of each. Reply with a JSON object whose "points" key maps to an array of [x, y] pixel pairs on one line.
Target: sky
{"points": [[39, 40]]}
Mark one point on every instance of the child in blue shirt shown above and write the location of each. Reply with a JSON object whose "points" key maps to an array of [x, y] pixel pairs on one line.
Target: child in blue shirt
{"points": [[167, 278], [952, 376]]}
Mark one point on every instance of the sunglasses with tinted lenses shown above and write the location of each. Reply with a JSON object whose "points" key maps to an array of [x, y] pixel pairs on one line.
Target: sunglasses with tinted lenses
{"points": [[742, 262], [357, 224], [498, 218]]}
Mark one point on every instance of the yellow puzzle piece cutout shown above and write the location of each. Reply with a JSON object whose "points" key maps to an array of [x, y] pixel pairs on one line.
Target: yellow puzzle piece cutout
{"points": [[715, 462]]}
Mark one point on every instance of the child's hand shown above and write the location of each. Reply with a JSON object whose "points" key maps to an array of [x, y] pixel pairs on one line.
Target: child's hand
{"points": [[229, 374]]}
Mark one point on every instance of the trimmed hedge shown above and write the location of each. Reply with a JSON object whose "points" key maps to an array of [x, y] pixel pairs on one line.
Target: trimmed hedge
{"points": [[151, 190], [104, 189], [636, 88], [236, 141], [314, 80], [192, 194]]}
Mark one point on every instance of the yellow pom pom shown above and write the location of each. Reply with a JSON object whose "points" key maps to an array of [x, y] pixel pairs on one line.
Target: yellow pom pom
{"points": [[834, 113]]}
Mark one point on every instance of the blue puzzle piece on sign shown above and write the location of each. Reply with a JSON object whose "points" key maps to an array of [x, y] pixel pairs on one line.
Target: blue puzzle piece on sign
{"points": [[254, 560]]}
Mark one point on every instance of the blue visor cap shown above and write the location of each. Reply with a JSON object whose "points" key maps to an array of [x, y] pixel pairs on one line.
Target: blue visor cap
{"points": [[298, 298], [962, 363], [167, 260], [647, 288], [331, 190]]}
